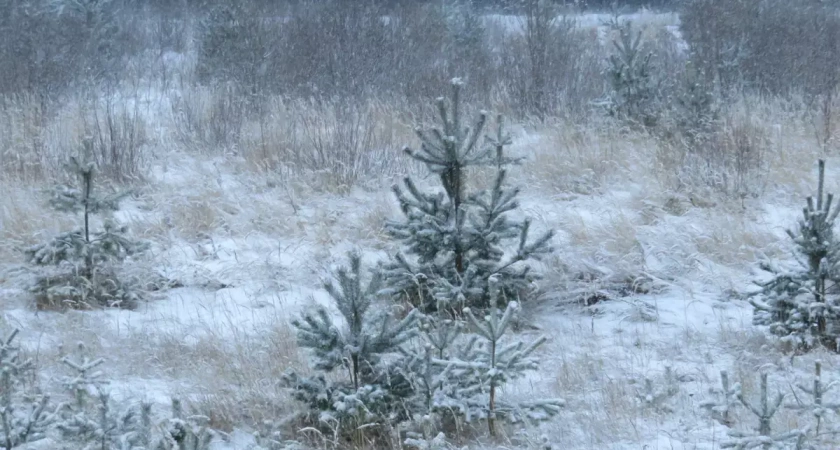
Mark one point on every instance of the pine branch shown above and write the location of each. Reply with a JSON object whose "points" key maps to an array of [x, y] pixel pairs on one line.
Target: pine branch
{"points": [[725, 398], [817, 406]]}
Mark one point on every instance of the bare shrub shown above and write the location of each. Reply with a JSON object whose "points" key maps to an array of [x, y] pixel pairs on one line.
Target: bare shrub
{"points": [[731, 159], [774, 46], [237, 44], [339, 50], [115, 136], [551, 68], [22, 147], [207, 119], [336, 145], [38, 50]]}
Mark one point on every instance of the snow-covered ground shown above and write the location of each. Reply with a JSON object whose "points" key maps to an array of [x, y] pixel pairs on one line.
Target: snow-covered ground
{"points": [[221, 338], [248, 252]]}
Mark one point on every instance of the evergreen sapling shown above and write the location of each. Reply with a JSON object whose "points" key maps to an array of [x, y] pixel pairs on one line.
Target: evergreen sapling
{"points": [[454, 240], [94, 421], [656, 397], [83, 419], [724, 399], [764, 438], [426, 440], [817, 406], [85, 257], [24, 417], [370, 390], [631, 78], [491, 363], [801, 304], [182, 432]]}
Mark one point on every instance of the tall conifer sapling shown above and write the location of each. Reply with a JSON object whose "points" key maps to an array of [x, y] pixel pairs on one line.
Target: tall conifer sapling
{"points": [[454, 240], [367, 388], [801, 304]]}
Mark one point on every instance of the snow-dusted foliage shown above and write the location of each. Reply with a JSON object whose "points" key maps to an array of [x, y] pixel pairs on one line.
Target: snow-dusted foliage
{"points": [[85, 273], [95, 422], [426, 439], [461, 375], [801, 304], [655, 397], [182, 432], [455, 240], [370, 390], [634, 89], [92, 419], [24, 416], [817, 405], [695, 108], [764, 438], [723, 399], [493, 362]]}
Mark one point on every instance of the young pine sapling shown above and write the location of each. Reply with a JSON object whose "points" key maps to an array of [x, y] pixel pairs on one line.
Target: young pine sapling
{"points": [[85, 256], [24, 417], [801, 305], [493, 362], [817, 406], [454, 239], [764, 438], [724, 399], [368, 389]]}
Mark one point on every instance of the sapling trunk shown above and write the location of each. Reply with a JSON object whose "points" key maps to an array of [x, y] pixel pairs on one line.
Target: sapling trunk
{"points": [[818, 393], [491, 416], [87, 177], [6, 382]]}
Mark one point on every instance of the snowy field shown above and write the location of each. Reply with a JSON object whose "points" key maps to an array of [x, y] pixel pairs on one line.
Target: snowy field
{"points": [[246, 250]]}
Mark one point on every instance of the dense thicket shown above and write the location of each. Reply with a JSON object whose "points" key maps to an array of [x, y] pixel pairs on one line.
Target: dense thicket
{"points": [[772, 46]]}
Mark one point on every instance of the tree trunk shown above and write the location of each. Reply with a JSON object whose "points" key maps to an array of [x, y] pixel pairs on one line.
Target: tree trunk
{"points": [[491, 415], [88, 185]]}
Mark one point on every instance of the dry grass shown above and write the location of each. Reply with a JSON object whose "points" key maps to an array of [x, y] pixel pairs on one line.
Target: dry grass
{"points": [[38, 137], [34, 138], [586, 159], [225, 371], [24, 220], [293, 171], [334, 145]]}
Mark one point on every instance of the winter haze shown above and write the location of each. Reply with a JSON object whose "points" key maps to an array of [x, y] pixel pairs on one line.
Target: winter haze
{"points": [[419, 225]]}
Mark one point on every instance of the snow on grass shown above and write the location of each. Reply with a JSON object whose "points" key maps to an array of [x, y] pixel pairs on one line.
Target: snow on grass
{"points": [[224, 336], [644, 18], [248, 251]]}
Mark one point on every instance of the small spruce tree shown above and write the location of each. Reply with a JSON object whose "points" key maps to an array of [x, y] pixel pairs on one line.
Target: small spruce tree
{"points": [[817, 406], [764, 438], [694, 108], [368, 390], [801, 304], [95, 422], [181, 432], [88, 417], [493, 362], [460, 374], [724, 400], [634, 89], [24, 416], [86, 275], [656, 397], [455, 240]]}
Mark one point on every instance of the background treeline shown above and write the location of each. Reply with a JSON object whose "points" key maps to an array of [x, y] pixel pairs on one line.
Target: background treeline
{"points": [[226, 64]]}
